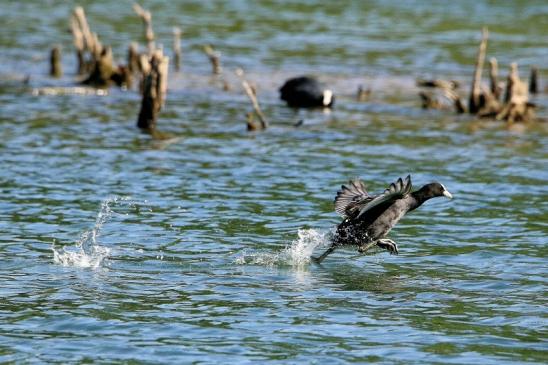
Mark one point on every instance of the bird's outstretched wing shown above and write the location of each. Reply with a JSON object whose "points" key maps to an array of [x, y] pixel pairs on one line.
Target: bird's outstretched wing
{"points": [[351, 197], [396, 190]]}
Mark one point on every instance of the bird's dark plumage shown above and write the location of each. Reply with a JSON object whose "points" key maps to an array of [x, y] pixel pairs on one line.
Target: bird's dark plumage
{"points": [[369, 218], [306, 92]]}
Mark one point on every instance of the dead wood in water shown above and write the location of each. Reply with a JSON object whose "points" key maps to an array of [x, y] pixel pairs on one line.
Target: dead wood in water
{"points": [[214, 58], [82, 30], [154, 91], [133, 58], [493, 77], [533, 81], [428, 101], [103, 68], [252, 95], [78, 41], [56, 69], [517, 108], [474, 103], [177, 48], [98, 65], [485, 102], [436, 100], [439, 83], [146, 17], [363, 94], [252, 125]]}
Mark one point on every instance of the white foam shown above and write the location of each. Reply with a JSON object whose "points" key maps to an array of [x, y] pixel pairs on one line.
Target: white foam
{"points": [[87, 252], [296, 254], [77, 257]]}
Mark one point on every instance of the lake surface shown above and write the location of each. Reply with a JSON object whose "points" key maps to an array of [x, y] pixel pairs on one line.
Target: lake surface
{"points": [[115, 247]]}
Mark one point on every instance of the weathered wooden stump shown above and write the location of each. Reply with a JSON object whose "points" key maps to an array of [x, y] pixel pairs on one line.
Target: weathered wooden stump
{"points": [[517, 107], [103, 68], [485, 102], [214, 58], [177, 48], [363, 94], [533, 81], [146, 17], [154, 92], [493, 78], [447, 89], [56, 69], [252, 95], [475, 101], [133, 58]]}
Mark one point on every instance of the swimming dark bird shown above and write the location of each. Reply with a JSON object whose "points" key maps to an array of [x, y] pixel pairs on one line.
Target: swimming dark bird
{"points": [[369, 218], [306, 92]]}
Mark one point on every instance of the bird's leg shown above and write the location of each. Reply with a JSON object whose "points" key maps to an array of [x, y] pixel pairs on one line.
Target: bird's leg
{"points": [[319, 259], [389, 245], [366, 246]]}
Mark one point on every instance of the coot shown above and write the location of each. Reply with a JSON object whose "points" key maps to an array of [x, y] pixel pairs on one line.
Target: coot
{"points": [[369, 218], [306, 92]]}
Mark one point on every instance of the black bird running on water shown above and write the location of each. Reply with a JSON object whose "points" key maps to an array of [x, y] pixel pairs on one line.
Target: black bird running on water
{"points": [[369, 218], [306, 92]]}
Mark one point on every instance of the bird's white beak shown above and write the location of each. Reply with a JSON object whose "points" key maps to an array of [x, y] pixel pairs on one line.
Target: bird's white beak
{"points": [[447, 194]]}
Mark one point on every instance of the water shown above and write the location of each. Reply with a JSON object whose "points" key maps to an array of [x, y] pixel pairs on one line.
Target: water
{"points": [[115, 247]]}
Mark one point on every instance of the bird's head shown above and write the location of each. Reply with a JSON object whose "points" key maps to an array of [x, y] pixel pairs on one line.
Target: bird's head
{"points": [[436, 189]]}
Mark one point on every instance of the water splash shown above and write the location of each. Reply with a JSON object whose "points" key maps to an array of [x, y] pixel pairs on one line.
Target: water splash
{"points": [[87, 252], [297, 254]]}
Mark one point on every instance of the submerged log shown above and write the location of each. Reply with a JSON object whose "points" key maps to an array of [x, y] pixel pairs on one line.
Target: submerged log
{"points": [[433, 100], [442, 84], [252, 95], [56, 70], [154, 92]]}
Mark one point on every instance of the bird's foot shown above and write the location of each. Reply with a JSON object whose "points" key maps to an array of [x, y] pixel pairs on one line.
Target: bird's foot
{"points": [[389, 245]]}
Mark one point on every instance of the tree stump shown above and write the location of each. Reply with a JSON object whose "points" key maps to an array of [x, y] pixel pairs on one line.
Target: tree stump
{"points": [[474, 103], [103, 69], [154, 92], [214, 58], [533, 81], [252, 95], [517, 108], [146, 17], [177, 48], [56, 70]]}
